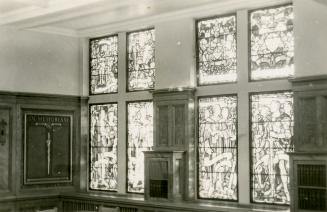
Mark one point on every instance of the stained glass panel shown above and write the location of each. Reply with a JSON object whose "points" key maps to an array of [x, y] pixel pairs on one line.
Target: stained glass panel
{"points": [[218, 147], [141, 61], [104, 65], [272, 43], [103, 148], [217, 50], [272, 131], [140, 138]]}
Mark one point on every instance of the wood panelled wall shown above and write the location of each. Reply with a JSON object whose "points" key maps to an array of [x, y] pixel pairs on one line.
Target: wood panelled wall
{"points": [[13, 106]]}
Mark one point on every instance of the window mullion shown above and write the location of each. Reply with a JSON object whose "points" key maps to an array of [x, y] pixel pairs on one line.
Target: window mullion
{"points": [[243, 107], [122, 125]]}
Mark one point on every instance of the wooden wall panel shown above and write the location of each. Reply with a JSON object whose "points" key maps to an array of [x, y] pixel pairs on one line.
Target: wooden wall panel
{"points": [[163, 125], [179, 124], [12, 109], [5, 149]]}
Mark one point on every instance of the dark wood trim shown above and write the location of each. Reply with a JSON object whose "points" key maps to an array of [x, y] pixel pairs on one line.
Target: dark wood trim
{"points": [[308, 79], [314, 153], [313, 85], [30, 94]]}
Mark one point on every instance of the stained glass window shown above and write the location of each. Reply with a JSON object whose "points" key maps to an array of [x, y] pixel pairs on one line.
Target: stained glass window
{"points": [[217, 50], [272, 130], [103, 147], [104, 65], [218, 147], [140, 138], [272, 43], [141, 62]]}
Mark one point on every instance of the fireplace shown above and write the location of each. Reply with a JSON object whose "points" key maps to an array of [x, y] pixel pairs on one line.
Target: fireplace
{"points": [[168, 167]]}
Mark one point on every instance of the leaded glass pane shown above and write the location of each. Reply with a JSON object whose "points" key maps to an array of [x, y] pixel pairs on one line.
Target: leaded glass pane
{"points": [[272, 43], [140, 138], [141, 64], [218, 147], [103, 148], [217, 50], [272, 131], [104, 65]]}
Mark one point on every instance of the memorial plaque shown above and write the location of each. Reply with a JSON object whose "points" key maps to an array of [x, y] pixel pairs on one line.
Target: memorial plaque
{"points": [[47, 148]]}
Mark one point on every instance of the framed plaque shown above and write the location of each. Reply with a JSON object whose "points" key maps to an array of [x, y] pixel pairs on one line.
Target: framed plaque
{"points": [[47, 148]]}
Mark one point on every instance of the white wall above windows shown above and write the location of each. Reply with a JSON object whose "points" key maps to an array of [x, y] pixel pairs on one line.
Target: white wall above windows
{"points": [[310, 30], [38, 63]]}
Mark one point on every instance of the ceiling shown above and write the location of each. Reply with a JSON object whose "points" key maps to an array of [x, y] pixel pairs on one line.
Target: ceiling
{"points": [[83, 18]]}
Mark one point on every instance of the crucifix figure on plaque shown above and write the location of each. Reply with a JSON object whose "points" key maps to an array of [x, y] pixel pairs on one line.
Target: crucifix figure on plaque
{"points": [[50, 127]]}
